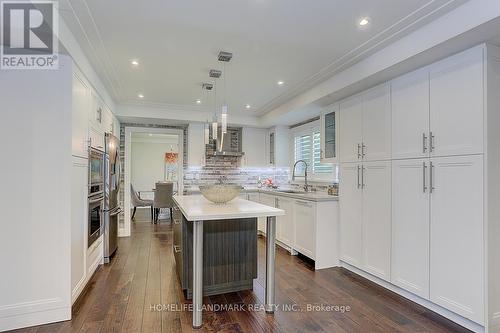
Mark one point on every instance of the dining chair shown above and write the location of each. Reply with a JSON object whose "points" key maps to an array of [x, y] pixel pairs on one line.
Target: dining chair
{"points": [[163, 198], [138, 202]]}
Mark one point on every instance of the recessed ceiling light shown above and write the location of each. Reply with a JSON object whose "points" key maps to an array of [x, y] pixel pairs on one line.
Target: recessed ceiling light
{"points": [[198, 101], [364, 21], [280, 83], [247, 106], [150, 134], [141, 96], [134, 63]]}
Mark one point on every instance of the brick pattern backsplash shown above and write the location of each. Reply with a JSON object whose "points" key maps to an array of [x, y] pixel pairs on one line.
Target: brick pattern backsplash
{"points": [[246, 176]]}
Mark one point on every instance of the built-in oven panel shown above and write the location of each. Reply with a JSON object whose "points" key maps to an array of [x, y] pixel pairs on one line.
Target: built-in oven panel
{"points": [[95, 218]]}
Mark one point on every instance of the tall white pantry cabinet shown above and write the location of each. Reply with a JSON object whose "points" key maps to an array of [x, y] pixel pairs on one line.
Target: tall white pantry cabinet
{"points": [[441, 240]]}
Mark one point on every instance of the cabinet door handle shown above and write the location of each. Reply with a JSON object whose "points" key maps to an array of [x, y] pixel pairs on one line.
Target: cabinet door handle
{"points": [[359, 184], [424, 171], [431, 178], [363, 147], [177, 248], [359, 153], [363, 176], [432, 137], [424, 143]]}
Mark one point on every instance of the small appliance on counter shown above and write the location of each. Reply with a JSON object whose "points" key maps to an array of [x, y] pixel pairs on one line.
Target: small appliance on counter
{"points": [[112, 172]]}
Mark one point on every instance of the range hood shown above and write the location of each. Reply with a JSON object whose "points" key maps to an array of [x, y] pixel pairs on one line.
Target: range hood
{"points": [[229, 144]]}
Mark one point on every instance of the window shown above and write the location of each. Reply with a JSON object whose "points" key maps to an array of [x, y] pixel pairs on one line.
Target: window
{"points": [[307, 147]]}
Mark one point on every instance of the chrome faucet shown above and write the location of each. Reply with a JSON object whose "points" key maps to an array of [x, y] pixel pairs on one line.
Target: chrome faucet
{"points": [[306, 185]]}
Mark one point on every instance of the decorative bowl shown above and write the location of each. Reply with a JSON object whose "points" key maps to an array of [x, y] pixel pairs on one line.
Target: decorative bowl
{"points": [[220, 193]]}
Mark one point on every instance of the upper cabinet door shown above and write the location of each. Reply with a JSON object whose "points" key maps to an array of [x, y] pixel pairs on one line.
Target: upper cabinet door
{"points": [[254, 139], [80, 114], [329, 135], [457, 231], [456, 104], [350, 129], [410, 115], [376, 143]]}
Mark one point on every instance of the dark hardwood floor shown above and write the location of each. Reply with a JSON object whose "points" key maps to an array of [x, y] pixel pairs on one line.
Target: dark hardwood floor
{"points": [[121, 295]]}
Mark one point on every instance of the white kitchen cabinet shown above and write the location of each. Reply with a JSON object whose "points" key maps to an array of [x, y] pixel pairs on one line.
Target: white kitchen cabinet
{"points": [[350, 129], [286, 223], [376, 144], [305, 227], [457, 245], [410, 225], [350, 214], [457, 104], [329, 134], [116, 127], [253, 145], [196, 144], [80, 124], [410, 115], [376, 220], [96, 137], [278, 146], [268, 200], [97, 110], [365, 126], [107, 120], [79, 202]]}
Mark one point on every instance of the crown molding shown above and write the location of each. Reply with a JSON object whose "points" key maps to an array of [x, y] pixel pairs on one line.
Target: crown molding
{"points": [[402, 27]]}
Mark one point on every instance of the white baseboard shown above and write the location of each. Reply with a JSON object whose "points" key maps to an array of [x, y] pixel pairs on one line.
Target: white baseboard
{"points": [[31, 314], [475, 327]]}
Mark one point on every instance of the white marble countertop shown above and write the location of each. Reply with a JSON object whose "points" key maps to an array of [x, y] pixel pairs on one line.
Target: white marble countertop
{"points": [[196, 208]]}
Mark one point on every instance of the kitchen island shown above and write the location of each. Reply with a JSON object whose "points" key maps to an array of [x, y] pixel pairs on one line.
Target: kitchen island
{"points": [[231, 228]]}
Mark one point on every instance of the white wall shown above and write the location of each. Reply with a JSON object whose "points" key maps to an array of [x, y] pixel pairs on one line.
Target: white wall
{"points": [[35, 237], [148, 163]]}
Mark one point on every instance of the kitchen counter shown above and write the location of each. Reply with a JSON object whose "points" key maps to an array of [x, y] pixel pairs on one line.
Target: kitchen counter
{"points": [[197, 208], [215, 248], [309, 196]]}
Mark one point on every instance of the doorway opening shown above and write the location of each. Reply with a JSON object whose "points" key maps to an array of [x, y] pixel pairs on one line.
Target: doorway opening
{"points": [[152, 156]]}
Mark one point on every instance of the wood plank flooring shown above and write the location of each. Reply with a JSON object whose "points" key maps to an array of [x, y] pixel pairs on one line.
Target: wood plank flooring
{"points": [[121, 297]]}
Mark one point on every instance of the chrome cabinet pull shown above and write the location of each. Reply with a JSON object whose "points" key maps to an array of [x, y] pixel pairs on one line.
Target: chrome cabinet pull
{"points": [[432, 137], [431, 176], [359, 184], [424, 171], [424, 143], [363, 147], [359, 153], [363, 176], [177, 248]]}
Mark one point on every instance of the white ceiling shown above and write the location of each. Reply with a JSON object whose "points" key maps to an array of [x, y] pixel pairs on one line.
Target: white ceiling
{"points": [[176, 42]]}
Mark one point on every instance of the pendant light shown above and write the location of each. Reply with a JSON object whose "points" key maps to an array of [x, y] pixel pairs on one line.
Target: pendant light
{"points": [[224, 106], [207, 132], [214, 122]]}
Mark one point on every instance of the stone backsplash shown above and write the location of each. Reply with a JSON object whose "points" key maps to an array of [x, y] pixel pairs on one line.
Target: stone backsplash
{"points": [[246, 176]]}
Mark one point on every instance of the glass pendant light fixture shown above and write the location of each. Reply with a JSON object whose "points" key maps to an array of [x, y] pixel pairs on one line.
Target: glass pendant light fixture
{"points": [[224, 106], [214, 121]]}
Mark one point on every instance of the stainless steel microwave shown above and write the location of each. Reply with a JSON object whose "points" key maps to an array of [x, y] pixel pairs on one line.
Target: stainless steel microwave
{"points": [[96, 171]]}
